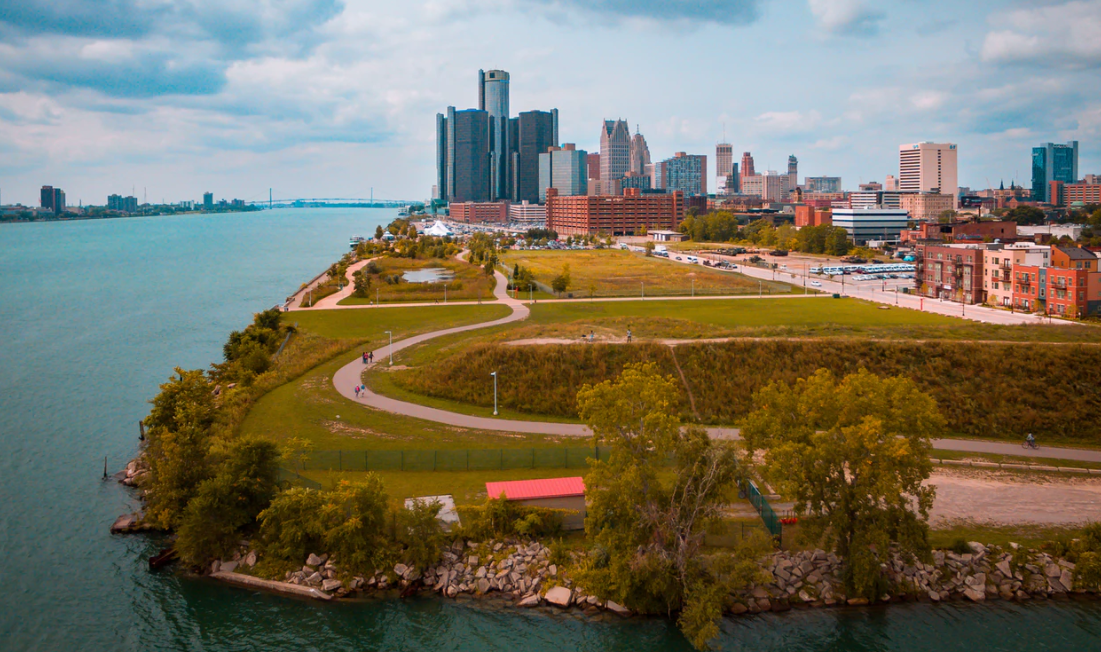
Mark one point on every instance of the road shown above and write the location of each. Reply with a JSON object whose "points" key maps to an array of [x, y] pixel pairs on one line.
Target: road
{"points": [[348, 377]]}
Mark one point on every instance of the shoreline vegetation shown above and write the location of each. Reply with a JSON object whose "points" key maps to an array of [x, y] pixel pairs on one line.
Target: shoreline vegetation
{"points": [[27, 217], [849, 448]]}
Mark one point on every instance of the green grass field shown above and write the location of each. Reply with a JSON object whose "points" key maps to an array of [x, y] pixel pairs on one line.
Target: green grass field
{"points": [[469, 283], [617, 273], [373, 324]]}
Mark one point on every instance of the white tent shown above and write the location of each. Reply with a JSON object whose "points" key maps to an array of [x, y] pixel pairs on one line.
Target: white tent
{"points": [[439, 229]]}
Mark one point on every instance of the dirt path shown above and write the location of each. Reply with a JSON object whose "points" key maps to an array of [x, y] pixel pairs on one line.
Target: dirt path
{"points": [[1004, 498]]}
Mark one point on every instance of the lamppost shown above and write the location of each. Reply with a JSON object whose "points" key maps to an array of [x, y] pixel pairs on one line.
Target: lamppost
{"points": [[494, 374], [391, 348], [643, 289], [445, 294]]}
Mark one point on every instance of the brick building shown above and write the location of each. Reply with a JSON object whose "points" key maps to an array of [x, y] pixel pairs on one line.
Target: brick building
{"points": [[811, 216], [479, 212], [951, 271], [926, 206], [1073, 282], [614, 215]]}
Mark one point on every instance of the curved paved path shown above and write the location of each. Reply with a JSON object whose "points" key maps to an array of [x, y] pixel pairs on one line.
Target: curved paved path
{"points": [[349, 376]]}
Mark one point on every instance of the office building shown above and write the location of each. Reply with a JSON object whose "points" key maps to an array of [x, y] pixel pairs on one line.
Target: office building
{"points": [[875, 199], [1051, 162], [793, 173], [822, 184], [52, 199], [615, 150], [593, 163], [532, 215], [747, 165], [469, 212], [122, 204], [640, 154], [812, 216], [463, 156], [657, 175], [770, 186], [614, 215], [864, 224], [208, 201], [564, 169], [732, 183], [640, 181], [724, 166], [924, 206], [890, 183], [493, 96], [534, 133], [686, 173], [1074, 193], [928, 167]]}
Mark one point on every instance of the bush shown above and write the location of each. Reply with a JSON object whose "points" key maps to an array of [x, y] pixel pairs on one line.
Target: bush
{"points": [[961, 547], [1087, 573], [498, 517]]}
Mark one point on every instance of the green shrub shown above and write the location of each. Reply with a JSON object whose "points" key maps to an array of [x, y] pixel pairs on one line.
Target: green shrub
{"points": [[961, 547], [1087, 573], [418, 534], [498, 517]]}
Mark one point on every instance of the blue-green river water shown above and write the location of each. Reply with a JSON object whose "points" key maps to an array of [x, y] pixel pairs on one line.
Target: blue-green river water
{"points": [[96, 314]]}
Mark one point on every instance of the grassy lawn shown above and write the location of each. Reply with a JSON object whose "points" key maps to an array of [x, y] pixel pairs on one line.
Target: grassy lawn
{"points": [[469, 282], [373, 324], [1029, 536], [468, 487], [617, 273], [1018, 459], [310, 408]]}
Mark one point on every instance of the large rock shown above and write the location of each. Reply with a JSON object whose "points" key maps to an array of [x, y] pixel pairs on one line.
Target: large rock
{"points": [[1067, 579], [1003, 568], [400, 570], [559, 596], [483, 585], [975, 595], [228, 566], [251, 559], [314, 560], [315, 578], [530, 601], [331, 585]]}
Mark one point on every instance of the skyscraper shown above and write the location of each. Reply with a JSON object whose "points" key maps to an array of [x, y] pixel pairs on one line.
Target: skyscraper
{"points": [[724, 165], [564, 169], [928, 167], [687, 173], [747, 165], [52, 199], [533, 134], [615, 150], [593, 162], [493, 99], [1051, 162], [793, 173], [463, 156], [640, 154], [208, 201]]}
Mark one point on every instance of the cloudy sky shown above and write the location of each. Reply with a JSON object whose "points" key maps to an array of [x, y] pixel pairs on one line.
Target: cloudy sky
{"points": [[330, 98]]}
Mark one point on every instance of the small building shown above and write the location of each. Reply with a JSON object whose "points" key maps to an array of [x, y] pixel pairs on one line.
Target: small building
{"points": [[447, 516], [668, 236], [555, 493]]}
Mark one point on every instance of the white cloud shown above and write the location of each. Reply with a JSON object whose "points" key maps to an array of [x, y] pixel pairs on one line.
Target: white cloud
{"points": [[1064, 35], [788, 121], [845, 17]]}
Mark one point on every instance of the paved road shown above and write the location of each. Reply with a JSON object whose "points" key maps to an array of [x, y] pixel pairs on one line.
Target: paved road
{"points": [[349, 376]]}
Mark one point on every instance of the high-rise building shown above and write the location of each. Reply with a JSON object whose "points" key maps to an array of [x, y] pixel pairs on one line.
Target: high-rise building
{"points": [[928, 167], [822, 184], [890, 183], [208, 201], [1051, 162], [657, 175], [640, 154], [565, 169], [747, 165], [52, 199], [793, 173], [466, 162], [687, 173], [724, 166], [615, 150], [493, 94], [770, 186], [122, 204], [593, 163], [534, 132]]}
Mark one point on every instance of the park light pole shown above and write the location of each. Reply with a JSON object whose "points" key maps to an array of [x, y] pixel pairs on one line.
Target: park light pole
{"points": [[391, 348], [494, 374], [643, 289], [445, 294]]}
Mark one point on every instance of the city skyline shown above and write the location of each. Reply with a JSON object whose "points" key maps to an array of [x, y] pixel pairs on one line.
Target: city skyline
{"points": [[323, 98]]}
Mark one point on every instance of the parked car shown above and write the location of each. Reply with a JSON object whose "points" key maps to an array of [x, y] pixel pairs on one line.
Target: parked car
{"points": [[815, 284]]}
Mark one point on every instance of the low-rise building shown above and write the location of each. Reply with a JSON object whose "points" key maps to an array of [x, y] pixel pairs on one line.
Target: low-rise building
{"points": [[865, 224], [1052, 231], [554, 493], [927, 205], [527, 213], [470, 212], [952, 271], [811, 216], [1073, 282], [667, 236], [999, 263], [614, 215]]}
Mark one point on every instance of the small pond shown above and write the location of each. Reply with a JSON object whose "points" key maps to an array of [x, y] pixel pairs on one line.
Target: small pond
{"points": [[428, 275]]}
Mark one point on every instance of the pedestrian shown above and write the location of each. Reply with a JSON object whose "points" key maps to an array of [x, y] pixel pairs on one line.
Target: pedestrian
{"points": [[364, 357], [592, 336], [357, 391], [371, 357], [628, 335]]}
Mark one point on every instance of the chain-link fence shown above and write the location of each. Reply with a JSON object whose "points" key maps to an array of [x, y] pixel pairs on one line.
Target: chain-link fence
{"points": [[451, 460]]}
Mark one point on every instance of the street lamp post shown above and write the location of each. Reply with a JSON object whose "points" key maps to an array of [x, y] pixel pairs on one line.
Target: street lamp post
{"points": [[643, 289], [494, 374], [445, 294], [391, 348]]}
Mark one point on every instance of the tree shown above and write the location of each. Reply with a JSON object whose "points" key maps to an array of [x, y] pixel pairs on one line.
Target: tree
{"points": [[852, 455], [837, 242], [561, 283], [362, 284], [648, 522], [650, 248], [379, 232], [1026, 215]]}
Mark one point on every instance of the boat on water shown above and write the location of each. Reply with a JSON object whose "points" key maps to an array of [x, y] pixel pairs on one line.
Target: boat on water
{"points": [[355, 241], [404, 212]]}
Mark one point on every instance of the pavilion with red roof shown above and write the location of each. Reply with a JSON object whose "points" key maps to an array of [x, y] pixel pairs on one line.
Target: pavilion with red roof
{"points": [[556, 493]]}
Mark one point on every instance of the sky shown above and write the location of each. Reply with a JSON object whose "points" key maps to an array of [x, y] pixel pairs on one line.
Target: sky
{"points": [[334, 98]]}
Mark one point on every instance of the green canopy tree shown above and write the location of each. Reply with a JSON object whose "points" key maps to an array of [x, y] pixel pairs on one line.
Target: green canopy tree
{"points": [[852, 455], [648, 520]]}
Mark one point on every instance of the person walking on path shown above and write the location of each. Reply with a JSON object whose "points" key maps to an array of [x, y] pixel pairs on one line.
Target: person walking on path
{"points": [[364, 357], [628, 335], [592, 336], [357, 391], [371, 357]]}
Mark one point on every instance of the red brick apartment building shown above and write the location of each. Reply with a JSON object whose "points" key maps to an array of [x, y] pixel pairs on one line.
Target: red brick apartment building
{"points": [[952, 272], [812, 216], [614, 215], [1073, 282]]}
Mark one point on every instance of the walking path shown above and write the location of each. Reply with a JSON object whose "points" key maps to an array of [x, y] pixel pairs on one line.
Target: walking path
{"points": [[349, 287], [349, 376]]}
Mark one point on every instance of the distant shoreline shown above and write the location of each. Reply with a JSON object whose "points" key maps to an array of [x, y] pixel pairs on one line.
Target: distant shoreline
{"points": [[83, 218]]}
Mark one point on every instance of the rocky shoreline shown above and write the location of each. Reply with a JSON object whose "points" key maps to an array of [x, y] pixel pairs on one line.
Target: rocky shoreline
{"points": [[523, 574]]}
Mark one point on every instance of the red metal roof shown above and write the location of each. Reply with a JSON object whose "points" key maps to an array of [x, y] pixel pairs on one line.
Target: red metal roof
{"points": [[528, 489]]}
